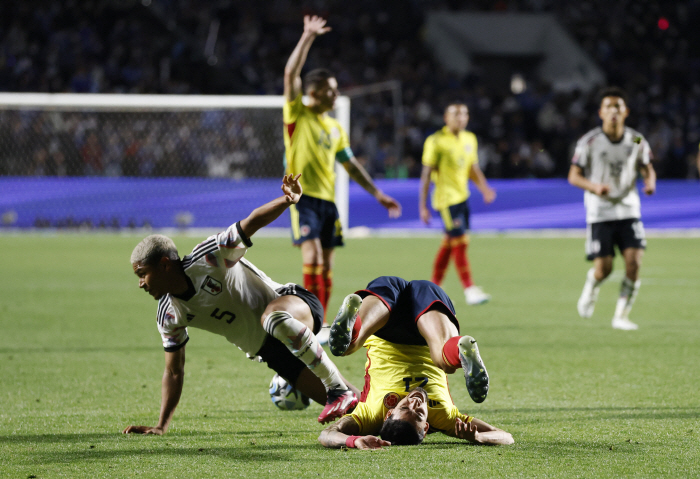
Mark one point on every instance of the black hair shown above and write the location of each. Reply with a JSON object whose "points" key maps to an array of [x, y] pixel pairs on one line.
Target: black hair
{"points": [[612, 91], [315, 78], [401, 433], [454, 102]]}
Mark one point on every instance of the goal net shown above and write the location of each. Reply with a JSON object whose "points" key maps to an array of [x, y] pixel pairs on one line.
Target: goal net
{"points": [[115, 161]]}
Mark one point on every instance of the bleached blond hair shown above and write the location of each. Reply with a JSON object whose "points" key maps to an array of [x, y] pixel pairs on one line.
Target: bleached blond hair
{"points": [[152, 248]]}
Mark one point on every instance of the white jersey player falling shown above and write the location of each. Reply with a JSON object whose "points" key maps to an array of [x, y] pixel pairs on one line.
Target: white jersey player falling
{"points": [[614, 164], [215, 267]]}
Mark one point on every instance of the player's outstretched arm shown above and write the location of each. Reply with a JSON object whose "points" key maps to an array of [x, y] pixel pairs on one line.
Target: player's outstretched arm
{"points": [[479, 432], [313, 26], [337, 435], [269, 212], [171, 390], [576, 178], [360, 175], [477, 176], [649, 175]]}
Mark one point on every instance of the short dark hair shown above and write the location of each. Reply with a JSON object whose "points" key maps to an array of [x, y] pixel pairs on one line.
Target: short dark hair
{"points": [[315, 78], [401, 433], [612, 91]]}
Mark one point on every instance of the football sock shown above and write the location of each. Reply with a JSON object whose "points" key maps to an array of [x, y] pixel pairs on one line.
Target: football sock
{"points": [[442, 260], [356, 329], [328, 284], [450, 352], [590, 277], [303, 344], [628, 293], [309, 271], [459, 251], [320, 287]]}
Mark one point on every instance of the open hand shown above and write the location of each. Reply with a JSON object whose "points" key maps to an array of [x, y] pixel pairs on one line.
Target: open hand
{"points": [[315, 25], [370, 442], [425, 215], [466, 430], [158, 431], [489, 195], [291, 188]]}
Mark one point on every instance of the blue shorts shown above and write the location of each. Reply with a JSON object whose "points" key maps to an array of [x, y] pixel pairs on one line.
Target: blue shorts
{"points": [[316, 218], [455, 218], [407, 301]]}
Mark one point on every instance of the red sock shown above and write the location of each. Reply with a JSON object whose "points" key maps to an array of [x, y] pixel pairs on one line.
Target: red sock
{"points": [[459, 251], [450, 352], [309, 271], [442, 260], [328, 284], [356, 329], [320, 287]]}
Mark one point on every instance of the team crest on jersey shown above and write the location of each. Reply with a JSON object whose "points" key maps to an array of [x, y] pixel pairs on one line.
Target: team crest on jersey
{"points": [[211, 286], [305, 230], [391, 400]]}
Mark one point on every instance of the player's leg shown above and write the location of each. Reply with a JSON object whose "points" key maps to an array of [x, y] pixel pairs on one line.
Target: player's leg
{"points": [[290, 320], [442, 260], [436, 322], [327, 274], [632, 244], [600, 250], [356, 321], [459, 242], [312, 259], [306, 232], [331, 237]]}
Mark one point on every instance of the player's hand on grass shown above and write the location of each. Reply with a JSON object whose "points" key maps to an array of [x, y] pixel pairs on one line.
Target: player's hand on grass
{"points": [[158, 431], [370, 442], [315, 25], [291, 188], [466, 430], [390, 204]]}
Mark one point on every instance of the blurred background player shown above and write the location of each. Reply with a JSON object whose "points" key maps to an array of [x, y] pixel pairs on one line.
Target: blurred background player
{"points": [[214, 288], [450, 160], [605, 164], [412, 340], [313, 142]]}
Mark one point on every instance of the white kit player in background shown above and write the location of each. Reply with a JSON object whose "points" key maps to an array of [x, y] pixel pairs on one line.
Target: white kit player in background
{"points": [[606, 164], [215, 289]]}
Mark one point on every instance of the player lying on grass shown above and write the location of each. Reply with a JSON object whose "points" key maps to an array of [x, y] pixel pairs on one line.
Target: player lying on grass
{"points": [[215, 289], [412, 340]]}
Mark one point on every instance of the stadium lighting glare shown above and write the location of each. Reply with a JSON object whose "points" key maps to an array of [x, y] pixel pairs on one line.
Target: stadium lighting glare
{"points": [[517, 84]]}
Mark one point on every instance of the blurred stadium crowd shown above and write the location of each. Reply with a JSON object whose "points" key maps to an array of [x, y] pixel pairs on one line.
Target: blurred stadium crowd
{"points": [[652, 49]]}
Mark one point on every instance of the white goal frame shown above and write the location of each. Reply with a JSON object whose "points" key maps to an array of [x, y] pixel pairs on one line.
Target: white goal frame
{"points": [[131, 102]]}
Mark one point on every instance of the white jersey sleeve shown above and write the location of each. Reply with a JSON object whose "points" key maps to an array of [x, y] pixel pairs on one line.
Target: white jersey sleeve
{"points": [[174, 335]]}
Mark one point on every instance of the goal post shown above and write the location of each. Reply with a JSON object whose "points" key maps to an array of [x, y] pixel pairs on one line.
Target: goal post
{"points": [[90, 136]]}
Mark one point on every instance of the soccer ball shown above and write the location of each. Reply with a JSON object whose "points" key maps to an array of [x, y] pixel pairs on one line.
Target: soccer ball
{"points": [[285, 397]]}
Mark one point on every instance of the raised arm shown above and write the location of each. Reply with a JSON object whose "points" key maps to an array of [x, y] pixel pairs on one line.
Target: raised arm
{"points": [[477, 176], [576, 178], [269, 212], [360, 175], [313, 26], [337, 435], [171, 390]]}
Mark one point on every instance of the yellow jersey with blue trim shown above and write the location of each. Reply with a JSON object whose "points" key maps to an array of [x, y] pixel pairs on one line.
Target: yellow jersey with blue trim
{"points": [[392, 370], [312, 144], [452, 157]]}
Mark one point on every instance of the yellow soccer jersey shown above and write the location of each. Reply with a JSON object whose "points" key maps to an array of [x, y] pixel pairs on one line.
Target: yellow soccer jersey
{"points": [[312, 144], [452, 157], [392, 370]]}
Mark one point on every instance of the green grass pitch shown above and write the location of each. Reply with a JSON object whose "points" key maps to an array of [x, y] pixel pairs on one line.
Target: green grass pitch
{"points": [[80, 359]]}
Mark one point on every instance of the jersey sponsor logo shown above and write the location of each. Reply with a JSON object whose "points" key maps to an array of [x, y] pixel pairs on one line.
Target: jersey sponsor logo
{"points": [[212, 286], [391, 400]]}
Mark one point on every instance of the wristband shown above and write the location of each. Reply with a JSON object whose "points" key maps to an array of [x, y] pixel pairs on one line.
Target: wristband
{"points": [[350, 441]]}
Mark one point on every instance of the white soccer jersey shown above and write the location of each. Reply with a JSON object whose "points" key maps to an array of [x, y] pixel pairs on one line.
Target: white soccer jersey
{"points": [[615, 165], [227, 295]]}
